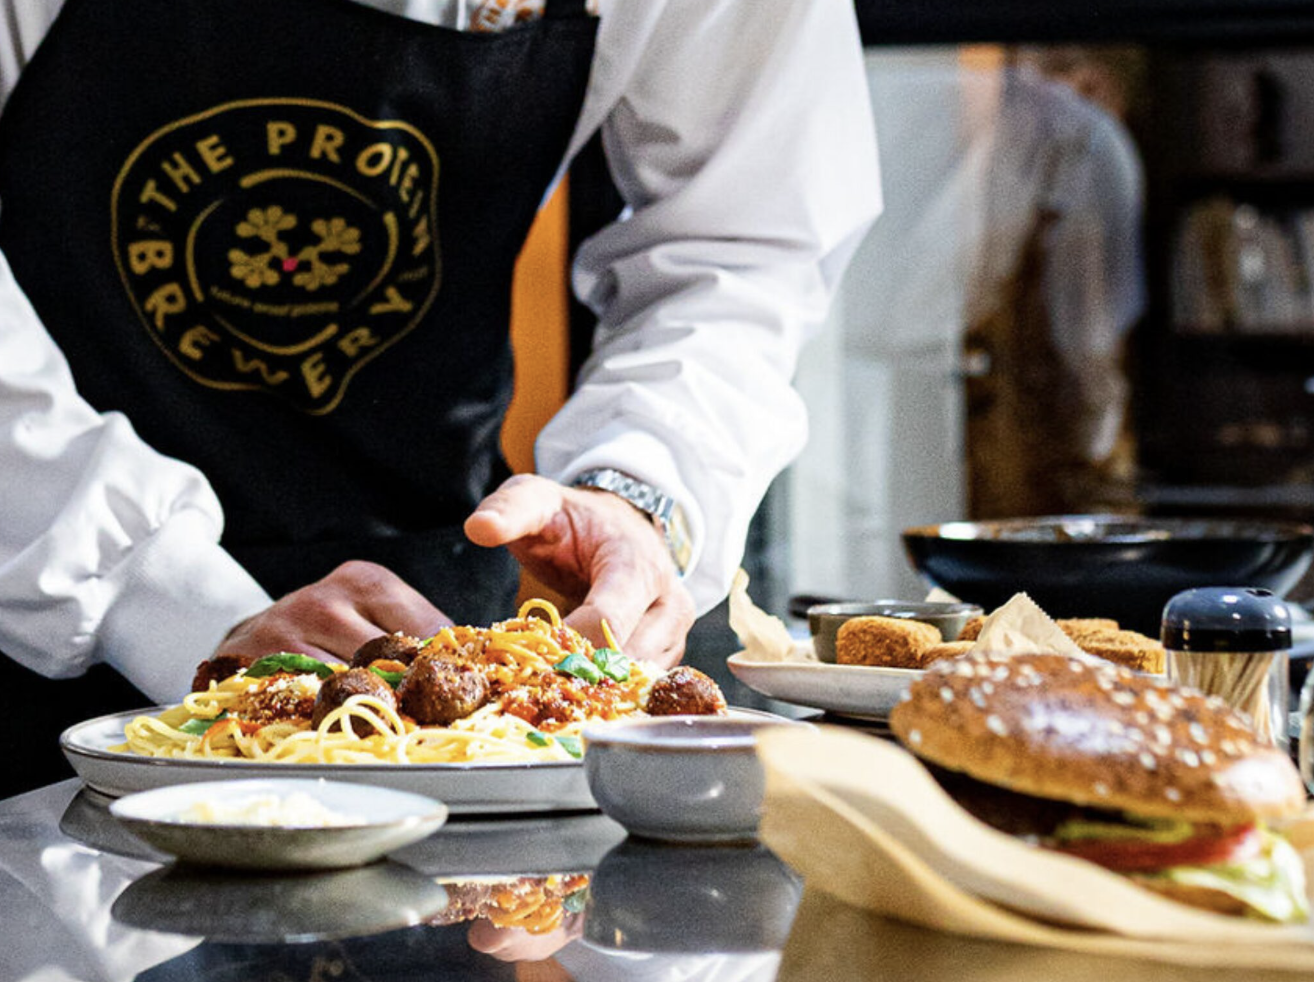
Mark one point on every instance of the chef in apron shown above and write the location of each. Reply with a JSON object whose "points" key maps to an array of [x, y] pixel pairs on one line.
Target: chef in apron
{"points": [[279, 237]]}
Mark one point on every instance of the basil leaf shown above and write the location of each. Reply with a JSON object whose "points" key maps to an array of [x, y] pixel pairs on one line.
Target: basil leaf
{"points": [[197, 727], [571, 745], [612, 664], [574, 902], [287, 661], [579, 666], [536, 738], [392, 678]]}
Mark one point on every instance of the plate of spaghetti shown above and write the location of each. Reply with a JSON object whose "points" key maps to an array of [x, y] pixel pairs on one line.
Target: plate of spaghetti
{"points": [[486, 719]]}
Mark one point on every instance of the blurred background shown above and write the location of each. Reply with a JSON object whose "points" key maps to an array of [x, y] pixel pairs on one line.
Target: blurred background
{"points": [[1092, 288]]}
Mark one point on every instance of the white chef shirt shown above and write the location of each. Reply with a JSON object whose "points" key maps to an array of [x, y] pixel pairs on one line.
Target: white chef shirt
{"points": [[740, 136]]}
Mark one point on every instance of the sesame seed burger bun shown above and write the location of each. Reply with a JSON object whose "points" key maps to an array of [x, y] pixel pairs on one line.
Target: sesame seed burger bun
{"points": [[1096, 735]]}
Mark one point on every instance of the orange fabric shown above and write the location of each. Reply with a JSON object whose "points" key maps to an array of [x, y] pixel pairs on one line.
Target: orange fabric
{"points": [[540, 331], [540, 340]]}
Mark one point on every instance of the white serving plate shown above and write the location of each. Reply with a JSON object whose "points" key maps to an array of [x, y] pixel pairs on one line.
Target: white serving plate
{"points": [[864, 691], [382, 820], [463, 788], [466, 789]]}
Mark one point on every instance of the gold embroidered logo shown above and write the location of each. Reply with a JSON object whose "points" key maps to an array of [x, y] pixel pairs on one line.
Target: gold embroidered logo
{"points": [[279, 244]]}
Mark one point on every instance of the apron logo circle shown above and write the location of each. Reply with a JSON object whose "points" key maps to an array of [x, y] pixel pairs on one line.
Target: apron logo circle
{"points": [[279, 244]]}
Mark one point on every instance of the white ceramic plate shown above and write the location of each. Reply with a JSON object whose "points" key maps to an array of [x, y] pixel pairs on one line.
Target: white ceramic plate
{"points": [[864, 691], [376, 821], [465, 788]]}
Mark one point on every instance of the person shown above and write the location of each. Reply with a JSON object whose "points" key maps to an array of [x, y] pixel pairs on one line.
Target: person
{"points": [[1058, 291], [973, 366], [254, 302]]}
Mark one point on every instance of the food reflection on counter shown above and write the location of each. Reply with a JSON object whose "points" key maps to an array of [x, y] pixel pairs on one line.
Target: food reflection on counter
{"points": [[536, 904], [1155, 782], [519, 690]]}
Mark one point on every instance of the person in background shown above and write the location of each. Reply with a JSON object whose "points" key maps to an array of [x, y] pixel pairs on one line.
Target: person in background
{"points": [[1058, 291], [972, 368], [254, 295]]}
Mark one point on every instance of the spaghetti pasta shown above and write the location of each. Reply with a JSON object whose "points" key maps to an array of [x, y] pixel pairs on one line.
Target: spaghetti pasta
{"points": [[542, 682]]}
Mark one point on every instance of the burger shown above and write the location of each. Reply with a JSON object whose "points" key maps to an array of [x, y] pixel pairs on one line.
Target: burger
{"points": [[1157, 783]]}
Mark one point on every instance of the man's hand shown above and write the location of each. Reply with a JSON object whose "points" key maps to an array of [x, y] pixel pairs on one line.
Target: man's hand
{"points": [[333, 617], [598, 551]]}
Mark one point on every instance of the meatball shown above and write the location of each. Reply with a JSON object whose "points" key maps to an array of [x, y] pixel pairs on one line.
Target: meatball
{"points": [[685, 691], [337, 689], [218, 668], [387, 647], [436, 691]]}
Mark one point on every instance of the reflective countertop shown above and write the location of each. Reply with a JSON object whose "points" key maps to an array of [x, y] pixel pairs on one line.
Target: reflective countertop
{"points": [[529, 898], [565, 896]]}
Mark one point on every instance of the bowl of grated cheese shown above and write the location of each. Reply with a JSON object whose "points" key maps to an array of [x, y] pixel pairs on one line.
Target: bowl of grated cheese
{"points": [[278, 824]]}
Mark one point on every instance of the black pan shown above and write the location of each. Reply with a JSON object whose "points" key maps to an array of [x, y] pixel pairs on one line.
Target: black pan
{"points": [[1107, 565]]}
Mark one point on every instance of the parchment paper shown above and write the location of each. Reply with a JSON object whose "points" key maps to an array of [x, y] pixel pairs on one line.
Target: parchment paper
{"points": [[1021, 627], [764, 636], [863, 821]]}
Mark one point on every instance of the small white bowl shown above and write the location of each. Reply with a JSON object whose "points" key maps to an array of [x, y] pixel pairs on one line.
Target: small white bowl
{"points": [[377, 821], [680, 778]]}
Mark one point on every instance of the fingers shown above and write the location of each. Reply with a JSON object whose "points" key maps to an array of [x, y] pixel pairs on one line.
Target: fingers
{"points": [[621, 609], [334, 616], [524, 505], [386, 601], [661, 633], [594, 546], [518, 945], [655, 632]]}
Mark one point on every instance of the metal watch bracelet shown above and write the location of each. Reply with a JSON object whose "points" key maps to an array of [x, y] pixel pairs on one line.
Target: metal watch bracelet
{"points": [[665, 512]]}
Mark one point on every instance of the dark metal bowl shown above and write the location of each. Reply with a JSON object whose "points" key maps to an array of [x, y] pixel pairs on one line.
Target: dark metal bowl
{"points": [[1107, 565]]}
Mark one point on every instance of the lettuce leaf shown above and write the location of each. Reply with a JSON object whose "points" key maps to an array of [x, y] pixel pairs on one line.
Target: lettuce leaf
{"points": [[1271, 884]]}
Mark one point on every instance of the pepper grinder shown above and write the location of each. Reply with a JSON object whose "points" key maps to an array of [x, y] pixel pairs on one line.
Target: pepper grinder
{"points": [[1233, 642]]}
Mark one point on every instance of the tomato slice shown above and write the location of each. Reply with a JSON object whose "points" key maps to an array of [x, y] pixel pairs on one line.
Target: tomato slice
{"points": [[1130, 856]]}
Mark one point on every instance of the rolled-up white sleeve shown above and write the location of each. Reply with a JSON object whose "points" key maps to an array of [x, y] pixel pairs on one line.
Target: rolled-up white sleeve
{"points": [[740, 135], [108, 550]]}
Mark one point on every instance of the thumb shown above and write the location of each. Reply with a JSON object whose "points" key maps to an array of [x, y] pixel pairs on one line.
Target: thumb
{"points": [[524, 505]]}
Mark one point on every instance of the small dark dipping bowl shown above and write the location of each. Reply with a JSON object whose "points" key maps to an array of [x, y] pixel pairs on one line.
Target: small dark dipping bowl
{"points": [[1107, 565]]}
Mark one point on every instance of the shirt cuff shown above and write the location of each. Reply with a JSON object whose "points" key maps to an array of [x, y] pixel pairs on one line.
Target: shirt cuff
{"points": [[178, 598]]}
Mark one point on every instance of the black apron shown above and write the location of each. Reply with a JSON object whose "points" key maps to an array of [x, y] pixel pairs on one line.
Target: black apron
{"points": [[279, 235]]}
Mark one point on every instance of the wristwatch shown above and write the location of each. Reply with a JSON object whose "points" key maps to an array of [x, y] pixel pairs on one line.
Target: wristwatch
{"points": [[664, 510]]}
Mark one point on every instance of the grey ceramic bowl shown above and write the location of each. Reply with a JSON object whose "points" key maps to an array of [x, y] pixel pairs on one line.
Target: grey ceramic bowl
{"points": [[824, 620], [680, 778]]}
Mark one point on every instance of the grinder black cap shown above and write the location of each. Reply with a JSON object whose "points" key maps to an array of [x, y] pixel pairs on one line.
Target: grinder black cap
{"points": [[1220, 618]]}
